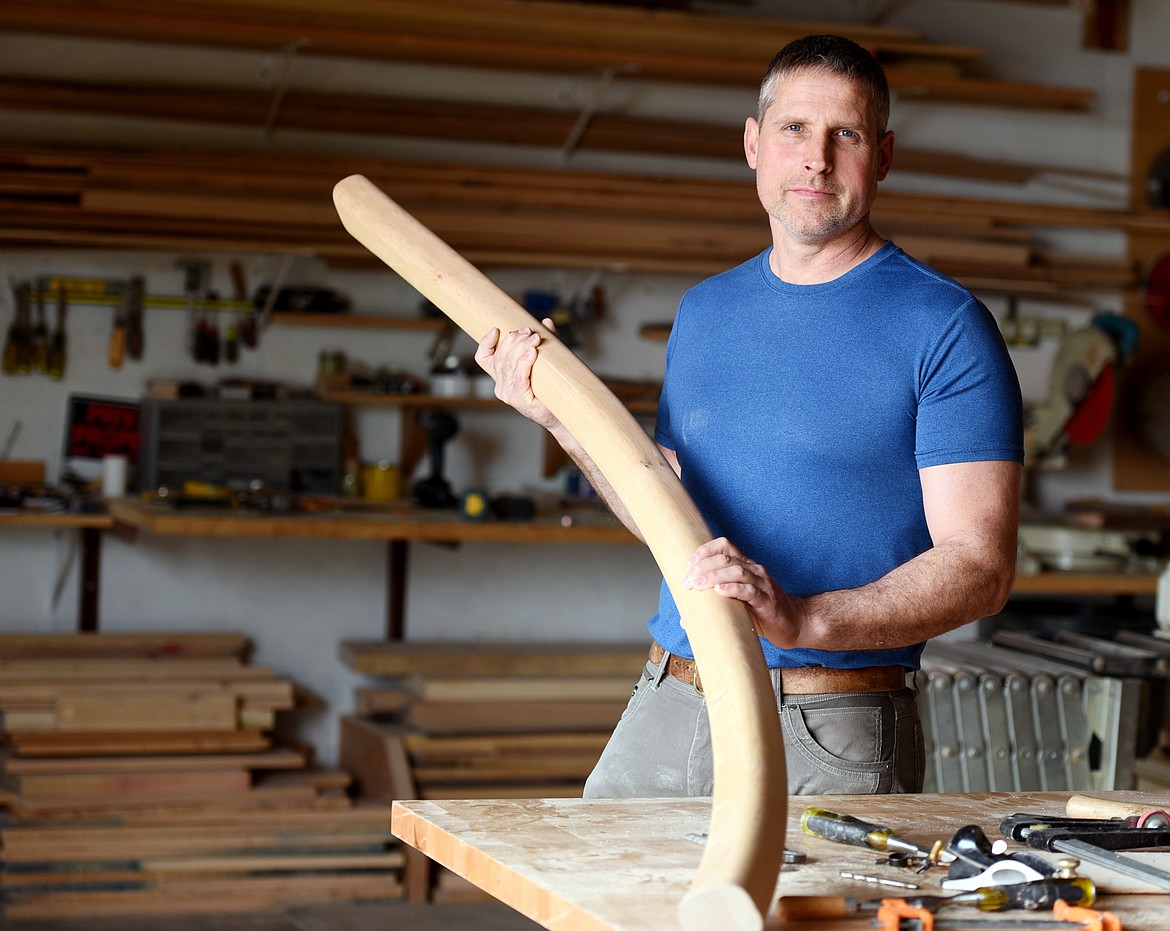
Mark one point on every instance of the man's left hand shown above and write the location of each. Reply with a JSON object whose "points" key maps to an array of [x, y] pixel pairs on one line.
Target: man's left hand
{"points": [[776, 615]]}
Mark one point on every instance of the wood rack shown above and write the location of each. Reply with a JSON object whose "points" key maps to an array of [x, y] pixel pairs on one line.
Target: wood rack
{"points": [[247, 202]]}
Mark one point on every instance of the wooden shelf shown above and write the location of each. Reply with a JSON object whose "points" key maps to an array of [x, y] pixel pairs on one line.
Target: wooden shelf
{"points": [[360, 321], [415, 401], [410, 401], [385, 523], [1086, 583], [78, 521]]}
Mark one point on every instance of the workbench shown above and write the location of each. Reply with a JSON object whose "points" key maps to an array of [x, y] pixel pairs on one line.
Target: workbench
{"points": [[624, 864]]}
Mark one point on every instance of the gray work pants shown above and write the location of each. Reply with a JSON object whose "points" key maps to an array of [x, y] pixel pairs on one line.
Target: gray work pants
{"points": [[856, 743]]}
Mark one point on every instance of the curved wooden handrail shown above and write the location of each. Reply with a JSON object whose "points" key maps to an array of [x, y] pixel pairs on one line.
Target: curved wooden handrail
{"points": [[741, 862]]}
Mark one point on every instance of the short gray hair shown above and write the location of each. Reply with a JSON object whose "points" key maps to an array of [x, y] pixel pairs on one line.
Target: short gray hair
{"points": [[833, 55]]}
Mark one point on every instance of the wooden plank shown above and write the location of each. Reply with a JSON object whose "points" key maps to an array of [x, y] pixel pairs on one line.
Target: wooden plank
{"points": [[132, 743], [218, 896], [492, 658], [265, 692], [124, 645], [440, 119], [262, 795], [507, 716], [282, 758], [117, 709], [506, 216], [564, 38], [70, 670], [431, 749], [136, 784], [525, 688], [97, 843]]}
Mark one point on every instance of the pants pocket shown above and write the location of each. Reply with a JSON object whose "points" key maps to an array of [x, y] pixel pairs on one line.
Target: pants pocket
{"points": [[838, 748]]}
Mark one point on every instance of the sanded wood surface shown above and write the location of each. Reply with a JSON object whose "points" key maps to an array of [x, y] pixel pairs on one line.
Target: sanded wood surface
{"points": [[746, 829], [620, 864]]}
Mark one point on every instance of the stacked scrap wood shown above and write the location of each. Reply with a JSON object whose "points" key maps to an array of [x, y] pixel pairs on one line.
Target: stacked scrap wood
{"points": [[141, 775], [478, 720]]}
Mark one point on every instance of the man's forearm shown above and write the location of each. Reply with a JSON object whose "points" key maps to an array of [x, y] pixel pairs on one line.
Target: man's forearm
{"points": [[944, 588], [596, 479]]}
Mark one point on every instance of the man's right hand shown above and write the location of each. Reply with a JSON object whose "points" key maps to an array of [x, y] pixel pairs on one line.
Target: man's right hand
{"points": [[508, 359]]}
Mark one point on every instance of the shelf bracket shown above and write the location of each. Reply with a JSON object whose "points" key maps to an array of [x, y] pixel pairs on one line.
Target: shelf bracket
{"points": [[589, 111], [287, 54]]}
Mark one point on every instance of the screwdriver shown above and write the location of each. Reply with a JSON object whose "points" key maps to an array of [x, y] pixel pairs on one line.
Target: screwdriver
{"points": [[845, 829], [1031, 896]]}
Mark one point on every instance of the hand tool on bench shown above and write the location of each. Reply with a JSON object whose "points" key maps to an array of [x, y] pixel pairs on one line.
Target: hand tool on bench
{"points": [[790, 856], [1088, 806], [978, 862], [1093, 845], [1030, 896], [900, 915], [845, 829]]}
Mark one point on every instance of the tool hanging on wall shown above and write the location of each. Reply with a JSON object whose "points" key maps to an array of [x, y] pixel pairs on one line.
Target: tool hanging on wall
{"points": [[209, 328], [1082, 389], [57, 339], [194, 286], [135, 336], [39, 337], [116, 350], [18, 348], [12, 341], [246, 323]]}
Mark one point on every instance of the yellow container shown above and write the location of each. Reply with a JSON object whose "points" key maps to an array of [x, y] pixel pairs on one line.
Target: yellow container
{"points": [[381, 481]]}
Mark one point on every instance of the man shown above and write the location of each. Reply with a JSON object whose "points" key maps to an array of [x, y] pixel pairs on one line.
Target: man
{"points": [[849, 422]]}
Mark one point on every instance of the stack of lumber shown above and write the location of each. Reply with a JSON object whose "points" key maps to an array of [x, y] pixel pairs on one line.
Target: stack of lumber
{"points": [[559, 38], [244, 201], [481, 720], [140, 775]]}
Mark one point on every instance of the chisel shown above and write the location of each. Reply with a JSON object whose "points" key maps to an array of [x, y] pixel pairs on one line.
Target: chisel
{"points": [[845, 829], [1031, 896]]}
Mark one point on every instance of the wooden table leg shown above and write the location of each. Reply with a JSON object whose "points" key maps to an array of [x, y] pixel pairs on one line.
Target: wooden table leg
{"points": [[396, 560], [89, 583]]}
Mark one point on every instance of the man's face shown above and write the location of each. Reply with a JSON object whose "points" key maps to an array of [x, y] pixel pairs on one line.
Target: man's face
{"points": [[817, 156]]}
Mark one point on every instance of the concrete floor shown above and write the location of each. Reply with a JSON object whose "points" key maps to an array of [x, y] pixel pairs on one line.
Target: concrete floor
{"points": [[457, 916]]}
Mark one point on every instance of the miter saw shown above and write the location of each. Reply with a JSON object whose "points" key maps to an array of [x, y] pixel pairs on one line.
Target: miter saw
{"points": [[1081, 390]]}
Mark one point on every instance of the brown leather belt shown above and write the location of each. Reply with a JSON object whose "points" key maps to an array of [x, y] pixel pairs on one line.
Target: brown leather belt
{"points": [[800, 680]]}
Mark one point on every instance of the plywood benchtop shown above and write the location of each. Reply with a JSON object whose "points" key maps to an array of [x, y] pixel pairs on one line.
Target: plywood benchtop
{"points": [[623, 864]]}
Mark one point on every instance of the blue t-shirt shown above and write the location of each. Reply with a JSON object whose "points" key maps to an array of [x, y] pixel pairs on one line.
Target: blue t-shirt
{"points": [[801, 415]]}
